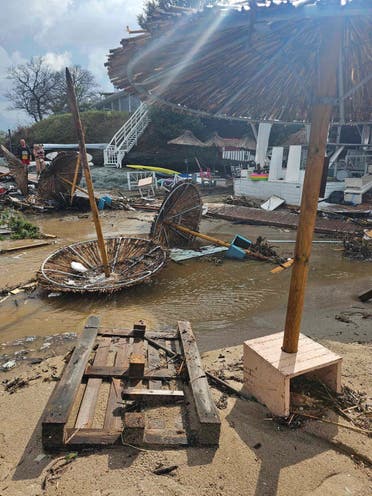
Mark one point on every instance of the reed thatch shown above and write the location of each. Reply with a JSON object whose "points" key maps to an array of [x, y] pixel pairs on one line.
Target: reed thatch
{"points": [[187, 138], [256, 64], [245, 143], [183, 206], [17, 169], [50, 185], [132, 261]]}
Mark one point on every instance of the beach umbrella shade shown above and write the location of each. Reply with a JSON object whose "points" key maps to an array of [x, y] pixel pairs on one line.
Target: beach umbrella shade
{"points": [[187, 138], [293, 61]]}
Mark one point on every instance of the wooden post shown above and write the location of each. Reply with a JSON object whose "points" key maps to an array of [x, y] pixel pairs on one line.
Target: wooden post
{"points": [[73, 187], [325, 93], [88, 178]]}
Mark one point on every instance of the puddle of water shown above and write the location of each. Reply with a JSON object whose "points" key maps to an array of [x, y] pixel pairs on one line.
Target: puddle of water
{"points": [[215, 298]]}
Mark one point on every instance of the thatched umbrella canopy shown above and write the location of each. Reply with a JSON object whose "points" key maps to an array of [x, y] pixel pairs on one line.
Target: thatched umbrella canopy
{"points": [[298, 138], [258, 64], [245, 143], [187, 138], [262, 62]]}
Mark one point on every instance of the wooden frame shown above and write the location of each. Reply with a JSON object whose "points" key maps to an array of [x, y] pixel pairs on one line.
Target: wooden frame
{"points": [[140, 379]]}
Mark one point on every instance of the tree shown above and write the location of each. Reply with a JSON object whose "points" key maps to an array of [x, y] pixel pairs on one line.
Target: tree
{"points": [[40, 91], [86, 89], [32, 88]]}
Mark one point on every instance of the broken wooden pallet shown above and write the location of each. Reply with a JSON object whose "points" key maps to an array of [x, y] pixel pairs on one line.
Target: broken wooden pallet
{"points": [[132, 386]]}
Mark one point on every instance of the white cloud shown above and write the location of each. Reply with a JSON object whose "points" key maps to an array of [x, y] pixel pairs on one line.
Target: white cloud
{"points": [[65, 32], [57, 61]]}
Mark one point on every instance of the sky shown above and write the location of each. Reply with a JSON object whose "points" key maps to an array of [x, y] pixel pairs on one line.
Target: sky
{"points": [[65, 32]]}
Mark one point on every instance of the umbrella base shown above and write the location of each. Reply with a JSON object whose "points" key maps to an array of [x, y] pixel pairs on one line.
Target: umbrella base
{"points": [[268, 369]]}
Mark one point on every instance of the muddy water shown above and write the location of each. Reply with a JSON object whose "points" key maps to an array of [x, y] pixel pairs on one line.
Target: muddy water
{"points": [[225, 302]]}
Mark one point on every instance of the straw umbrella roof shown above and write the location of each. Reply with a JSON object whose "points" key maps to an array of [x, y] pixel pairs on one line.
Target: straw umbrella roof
{"points": [[251, 62], [246, 142], [186, 138]]}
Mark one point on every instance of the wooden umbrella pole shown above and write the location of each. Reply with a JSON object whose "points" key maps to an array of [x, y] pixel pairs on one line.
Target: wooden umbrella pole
{"points": [[73, 186], [84, 162], [216, 241], [326, 90]]}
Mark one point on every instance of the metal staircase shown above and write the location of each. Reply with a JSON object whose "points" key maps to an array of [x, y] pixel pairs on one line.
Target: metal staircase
{"points": [[126, 137]]}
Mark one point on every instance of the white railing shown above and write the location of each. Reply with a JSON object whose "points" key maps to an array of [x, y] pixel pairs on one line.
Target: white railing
{"points": [[126, 137]]}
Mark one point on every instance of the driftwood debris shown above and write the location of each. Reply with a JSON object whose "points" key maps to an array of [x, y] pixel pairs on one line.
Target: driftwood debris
{"points": [[17, 169], [366, 295]]}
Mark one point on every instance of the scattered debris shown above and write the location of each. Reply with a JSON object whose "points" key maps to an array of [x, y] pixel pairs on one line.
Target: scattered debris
{"points": [[164, 470], [365, 296], [272, 203], [358, 247], [311, 399], [18, 383], [8, 365]]}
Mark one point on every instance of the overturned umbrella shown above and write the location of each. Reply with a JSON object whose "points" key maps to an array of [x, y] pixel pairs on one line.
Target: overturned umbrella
{"points": [[102, 265], [177, 223]]}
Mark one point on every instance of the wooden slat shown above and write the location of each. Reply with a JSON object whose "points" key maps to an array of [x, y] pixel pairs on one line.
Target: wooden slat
{"points": [[128, 333], [89, 401], [153, 361], [60, 403], [134, 393], [210, 424], [120, 372]]}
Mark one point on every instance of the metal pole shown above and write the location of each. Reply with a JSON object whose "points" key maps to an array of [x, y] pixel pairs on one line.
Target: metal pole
{"points": [[326, 90]]}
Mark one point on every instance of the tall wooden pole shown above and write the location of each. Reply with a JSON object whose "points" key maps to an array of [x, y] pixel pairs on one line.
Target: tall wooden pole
{"points": [[84, 162], [325, 96]]}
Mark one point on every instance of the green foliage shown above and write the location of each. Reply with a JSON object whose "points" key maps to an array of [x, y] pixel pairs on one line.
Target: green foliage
{"points": [[19, 226], [99, 127]]}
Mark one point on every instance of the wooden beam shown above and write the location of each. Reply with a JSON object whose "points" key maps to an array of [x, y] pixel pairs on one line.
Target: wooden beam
{"points": [[71, 96], [320, 119], [61, 400], [25, 247], [208, 417]]}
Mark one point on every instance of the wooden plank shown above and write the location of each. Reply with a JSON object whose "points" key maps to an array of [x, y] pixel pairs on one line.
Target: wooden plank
{"points": [[61, 400], [89, 401], [129, 333], [120, 372], [134, 393], [113, 420], [210, 424]]}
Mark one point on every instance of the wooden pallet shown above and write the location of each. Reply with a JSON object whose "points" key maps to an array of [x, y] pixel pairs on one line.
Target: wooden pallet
{"points": [[132, 387]]}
